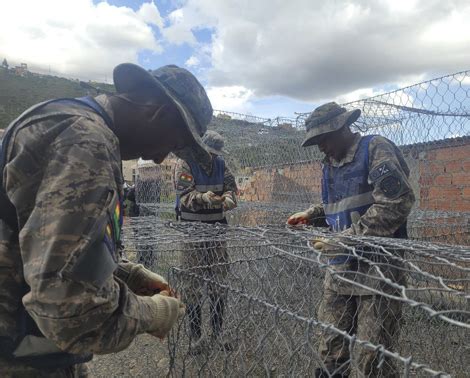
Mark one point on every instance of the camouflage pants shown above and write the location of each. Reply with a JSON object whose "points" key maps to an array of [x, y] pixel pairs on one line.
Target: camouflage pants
{"points": [[372, 318], [208, 260], [11, 370]]}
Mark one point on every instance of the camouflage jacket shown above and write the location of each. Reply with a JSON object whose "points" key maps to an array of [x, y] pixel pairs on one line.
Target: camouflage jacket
{"points": [[63, 175], [383, 218], [189, 196]]}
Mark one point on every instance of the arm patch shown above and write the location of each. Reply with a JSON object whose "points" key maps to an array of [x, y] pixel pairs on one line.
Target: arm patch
{"points": [[392, 186], [388, 180], [185, 180], [382, 170]]}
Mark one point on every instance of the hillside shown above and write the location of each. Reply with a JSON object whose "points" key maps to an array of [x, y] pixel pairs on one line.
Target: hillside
{"points": [[255, 145], [17, 93], [249, 144]]}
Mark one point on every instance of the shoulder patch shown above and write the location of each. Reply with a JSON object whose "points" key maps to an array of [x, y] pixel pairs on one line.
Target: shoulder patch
{"points": [[186, 177], [382, 170], [391, 186], [112, 234], [184, 180]]}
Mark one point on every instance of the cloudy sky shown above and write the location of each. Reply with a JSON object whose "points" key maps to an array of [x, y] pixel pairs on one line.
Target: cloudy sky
{"points": [[264, 57]]}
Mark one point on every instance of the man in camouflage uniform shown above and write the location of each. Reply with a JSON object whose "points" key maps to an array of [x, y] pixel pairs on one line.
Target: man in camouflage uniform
{"points": [[65, 294], [365, 191], [205, 197]]}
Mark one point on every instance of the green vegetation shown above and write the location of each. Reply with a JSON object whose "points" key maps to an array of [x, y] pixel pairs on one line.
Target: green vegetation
{"points": [[249, 144], [17, 93]]}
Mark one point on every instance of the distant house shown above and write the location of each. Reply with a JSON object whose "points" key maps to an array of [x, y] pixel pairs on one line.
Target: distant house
{"points": [[21, 70]]}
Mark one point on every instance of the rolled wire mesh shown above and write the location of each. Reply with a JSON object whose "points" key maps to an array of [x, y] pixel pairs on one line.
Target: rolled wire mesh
{"points": [[273, 285], [272, 278]]}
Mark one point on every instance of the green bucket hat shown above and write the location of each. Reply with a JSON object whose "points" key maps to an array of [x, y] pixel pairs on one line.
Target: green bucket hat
{"points": [[214, 142], [326, 119], [184, 91]]}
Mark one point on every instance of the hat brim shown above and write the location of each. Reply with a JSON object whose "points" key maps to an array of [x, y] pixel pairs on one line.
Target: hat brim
{"points": [[345, 119], [216, 152], [130, 77]]}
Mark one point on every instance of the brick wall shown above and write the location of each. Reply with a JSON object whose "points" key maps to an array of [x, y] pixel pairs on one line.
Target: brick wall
{"points": [[444, 178], [298, 183], [440, 177]]}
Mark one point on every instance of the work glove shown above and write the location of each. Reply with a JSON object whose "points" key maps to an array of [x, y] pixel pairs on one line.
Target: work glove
{"points": [[229, 204], [143, 281], [301, 217], [328, 247], [211, 199], [168, 311]]}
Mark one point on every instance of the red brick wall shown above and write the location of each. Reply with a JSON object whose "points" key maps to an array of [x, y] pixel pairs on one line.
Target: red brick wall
{"points": [[444, 179], [287, 183]]}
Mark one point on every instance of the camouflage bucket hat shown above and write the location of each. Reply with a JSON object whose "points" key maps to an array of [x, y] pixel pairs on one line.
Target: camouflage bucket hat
{"points": [[214, 142], [184, 91], [326, 119]]}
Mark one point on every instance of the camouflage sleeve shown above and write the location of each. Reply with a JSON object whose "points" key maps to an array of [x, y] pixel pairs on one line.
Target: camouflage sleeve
{"points": [[185, 187], [230, 186], [392, 193], [315, 210], [69, 253]]}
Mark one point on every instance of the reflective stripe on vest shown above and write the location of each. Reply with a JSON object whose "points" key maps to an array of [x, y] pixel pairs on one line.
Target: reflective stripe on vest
{"points": [[205, 183], [202, 217], [345, 189]]}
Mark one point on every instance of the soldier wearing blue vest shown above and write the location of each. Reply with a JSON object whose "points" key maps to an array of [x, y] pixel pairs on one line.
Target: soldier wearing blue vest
{"points": [[65, 293], [365, 191], [205, 196]]}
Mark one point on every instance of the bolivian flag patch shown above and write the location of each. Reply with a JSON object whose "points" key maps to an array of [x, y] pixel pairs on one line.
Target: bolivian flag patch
{"points": [[184, 180], [112, 235]]}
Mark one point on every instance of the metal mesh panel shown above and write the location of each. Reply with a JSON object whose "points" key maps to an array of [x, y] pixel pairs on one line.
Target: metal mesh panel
{"points": [[270, 278]]}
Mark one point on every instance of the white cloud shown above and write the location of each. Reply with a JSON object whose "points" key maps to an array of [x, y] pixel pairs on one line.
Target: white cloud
{"points": [[150, 14], [178, 32], [358, 94], [232, 98], [76, 38], [313, 49], [192, 61]]}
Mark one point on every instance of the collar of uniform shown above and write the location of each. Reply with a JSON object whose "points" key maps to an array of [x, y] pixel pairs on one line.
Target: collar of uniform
{"points": [[349, 157], [104, 103]]}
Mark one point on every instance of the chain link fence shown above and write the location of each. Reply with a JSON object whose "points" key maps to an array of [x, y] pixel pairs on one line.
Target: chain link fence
{"points": [[260, 285], [429, 121]]}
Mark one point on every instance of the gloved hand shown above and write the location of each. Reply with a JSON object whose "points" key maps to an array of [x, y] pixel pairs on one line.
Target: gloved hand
{"points": [[168, 311], [229, 204], [328, 247], [301, 217], [211, 199], [143, 281]]}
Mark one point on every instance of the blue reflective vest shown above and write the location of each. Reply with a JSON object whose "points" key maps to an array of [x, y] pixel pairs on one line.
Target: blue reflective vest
{"points": [[345, 190], [205, 183], [347, 195]]}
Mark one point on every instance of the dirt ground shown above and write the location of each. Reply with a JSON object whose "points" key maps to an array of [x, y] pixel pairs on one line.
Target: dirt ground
{"points": [[147, 356]]}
